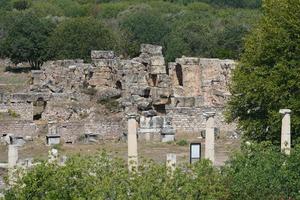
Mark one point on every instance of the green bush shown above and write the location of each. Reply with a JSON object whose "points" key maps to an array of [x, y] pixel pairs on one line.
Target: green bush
{"points": [[261, 171], [104, 177]]}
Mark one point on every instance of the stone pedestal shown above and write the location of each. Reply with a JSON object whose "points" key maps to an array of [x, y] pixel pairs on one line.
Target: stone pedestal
{"points": [[286, 131], [210, 136], [132, 143], [12, 155]]}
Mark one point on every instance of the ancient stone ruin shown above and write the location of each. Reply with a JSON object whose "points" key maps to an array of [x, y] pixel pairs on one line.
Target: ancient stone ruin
{"points": [[70, 101]]}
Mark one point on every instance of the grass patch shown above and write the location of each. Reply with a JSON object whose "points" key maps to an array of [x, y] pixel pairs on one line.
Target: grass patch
{"points": [[13, 113], [182, 143]]}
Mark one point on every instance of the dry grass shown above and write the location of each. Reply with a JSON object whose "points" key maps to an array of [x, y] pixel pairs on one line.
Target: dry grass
{"points": [[147, 150]]}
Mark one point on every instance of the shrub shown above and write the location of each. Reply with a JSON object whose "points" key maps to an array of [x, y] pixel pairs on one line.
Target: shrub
{"points": [[262, 171], [104, 177]]}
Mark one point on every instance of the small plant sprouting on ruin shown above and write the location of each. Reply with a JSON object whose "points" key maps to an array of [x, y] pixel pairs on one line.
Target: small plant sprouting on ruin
{"points": [[13, 113]]}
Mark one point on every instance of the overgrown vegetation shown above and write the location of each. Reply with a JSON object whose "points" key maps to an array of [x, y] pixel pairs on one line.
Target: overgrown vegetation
{"points": [[256, 172], [13, 113], [36, 31]]}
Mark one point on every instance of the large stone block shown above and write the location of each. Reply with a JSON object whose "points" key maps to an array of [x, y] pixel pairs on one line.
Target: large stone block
{"points": [[151, 49], [188, 61], [183, 101], [158, 69], [157, 60], [102, 54]]}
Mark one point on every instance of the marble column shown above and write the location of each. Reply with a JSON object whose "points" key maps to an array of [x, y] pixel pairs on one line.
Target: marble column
{"points": [[12, 155], [286, 131], [171, 163], [132, 143], [210, 136]]}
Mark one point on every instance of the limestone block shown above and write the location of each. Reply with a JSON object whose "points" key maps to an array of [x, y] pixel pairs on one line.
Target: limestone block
{"points": [[168, 138], [142, 103], [145, 122], [105, 63], [151, 49], [160, 92], [158, 69], [143, 91], [157, 122], [149, 113], [102, 54], [188, 61], [157, 60], [184, 101], [108, 93]]}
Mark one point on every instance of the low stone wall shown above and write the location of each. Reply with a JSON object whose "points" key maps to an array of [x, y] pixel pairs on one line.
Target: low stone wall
{"points": [[18, 128], [75, 131], [191, 120], [20, 111]]}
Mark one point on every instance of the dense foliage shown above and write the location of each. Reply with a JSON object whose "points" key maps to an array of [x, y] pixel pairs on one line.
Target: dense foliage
{"points": [[257, 172], [101, 177], [75, 38], [267, 78], [193, 28], [25, 39]]}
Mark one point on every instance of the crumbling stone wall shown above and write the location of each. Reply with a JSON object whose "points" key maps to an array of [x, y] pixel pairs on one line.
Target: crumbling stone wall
{"points": [[94, 98], [17, 111], [18, 128]]}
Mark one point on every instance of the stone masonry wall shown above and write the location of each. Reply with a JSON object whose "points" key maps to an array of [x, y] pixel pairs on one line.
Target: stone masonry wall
{"points": [[23, 111]]}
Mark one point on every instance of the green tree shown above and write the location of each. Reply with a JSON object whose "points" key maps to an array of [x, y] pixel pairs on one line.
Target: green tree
{"points": [[267, 77], [191, 38], [143, 26], [25, 38], [75, 38]]}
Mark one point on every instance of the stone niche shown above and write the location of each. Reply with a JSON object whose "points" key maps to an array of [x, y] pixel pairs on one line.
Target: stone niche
{"points": [[52, 139]]}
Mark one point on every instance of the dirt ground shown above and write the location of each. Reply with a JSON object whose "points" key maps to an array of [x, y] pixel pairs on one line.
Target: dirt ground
{"points": [[148, 150]]}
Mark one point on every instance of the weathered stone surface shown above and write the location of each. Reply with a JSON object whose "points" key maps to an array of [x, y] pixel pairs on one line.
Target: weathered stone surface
{"points": [[158, 69], [102, 54], [157, 60], [69, 90], [151, 49]]}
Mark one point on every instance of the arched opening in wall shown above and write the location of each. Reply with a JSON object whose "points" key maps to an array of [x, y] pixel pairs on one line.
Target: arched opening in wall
{"points": [[119, 85], [38, 108], [179, 74]]}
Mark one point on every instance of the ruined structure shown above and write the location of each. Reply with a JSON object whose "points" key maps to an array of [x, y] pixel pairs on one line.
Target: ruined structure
{"points": [[70, 99]]}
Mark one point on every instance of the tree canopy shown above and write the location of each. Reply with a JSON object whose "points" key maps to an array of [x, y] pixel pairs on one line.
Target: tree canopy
{"points": [[75, 38], [25, 38], [194, 28], [267, 77]]}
